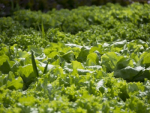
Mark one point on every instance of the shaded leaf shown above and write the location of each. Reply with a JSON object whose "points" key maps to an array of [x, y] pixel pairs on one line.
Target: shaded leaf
{"points": [[34, 65]]}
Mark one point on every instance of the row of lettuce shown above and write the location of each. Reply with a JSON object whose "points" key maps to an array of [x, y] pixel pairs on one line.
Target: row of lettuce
{"points": [[90, 59]]}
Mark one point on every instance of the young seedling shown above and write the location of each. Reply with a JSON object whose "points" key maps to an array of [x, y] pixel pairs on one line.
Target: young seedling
{"points": [[43, 32], [45, 69], [34, 64]]}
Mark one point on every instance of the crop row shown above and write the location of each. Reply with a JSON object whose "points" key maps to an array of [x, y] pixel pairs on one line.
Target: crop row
{"points": [[90, 59]]}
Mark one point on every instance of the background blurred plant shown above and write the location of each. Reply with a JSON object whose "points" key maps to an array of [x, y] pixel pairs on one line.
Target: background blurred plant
{"points": [[9, 6]]}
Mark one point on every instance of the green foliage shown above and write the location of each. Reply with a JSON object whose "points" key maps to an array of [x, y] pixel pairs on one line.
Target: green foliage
{"points": [[90, 59], [34, 64]]}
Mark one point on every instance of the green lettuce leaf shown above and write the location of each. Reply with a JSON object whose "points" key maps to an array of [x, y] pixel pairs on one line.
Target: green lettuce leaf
{"points": [[69, 56], [128, 73], [92, 59], [124, 62], [83, 54], [27, 74], [4, 64], [76, 65], [145, 59], [109, 61]]}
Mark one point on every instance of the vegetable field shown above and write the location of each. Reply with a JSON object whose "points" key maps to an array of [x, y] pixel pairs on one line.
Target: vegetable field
{"points": [[86, 60]]}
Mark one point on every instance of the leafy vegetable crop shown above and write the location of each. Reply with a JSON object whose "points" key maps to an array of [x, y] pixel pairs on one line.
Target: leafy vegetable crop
{"points": [[86, 60]]}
